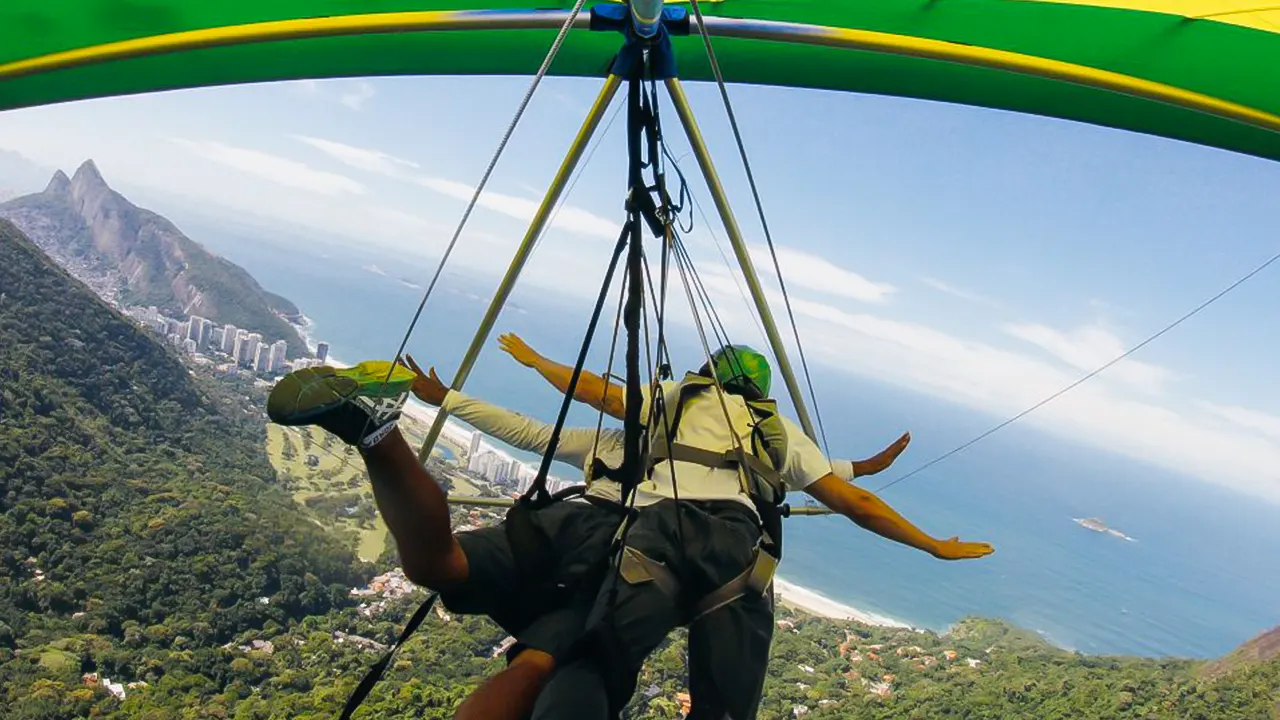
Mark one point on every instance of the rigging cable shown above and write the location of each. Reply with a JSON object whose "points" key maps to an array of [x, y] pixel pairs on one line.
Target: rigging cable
{"points": [[484, 179], [720, 391], [613, 348], [537, 491], [582, 168], [715, 240], [755, 195], [675, 241], [1087, 377]]}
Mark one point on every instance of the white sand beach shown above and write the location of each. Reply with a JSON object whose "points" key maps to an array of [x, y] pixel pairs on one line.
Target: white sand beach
{"points": [[810, 601]]}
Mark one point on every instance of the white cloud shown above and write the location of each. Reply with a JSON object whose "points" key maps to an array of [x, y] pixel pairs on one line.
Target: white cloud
{"points": [[356, 98], [307, 87], [804, 270], [569, 218], [961, 293], [1262, 423], [373, 161], [1004, 383], [351, 94], [277, 169], [1090, 347]]}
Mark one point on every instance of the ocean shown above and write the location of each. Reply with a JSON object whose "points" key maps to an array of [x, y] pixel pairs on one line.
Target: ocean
{"points": [[1199, 580]]}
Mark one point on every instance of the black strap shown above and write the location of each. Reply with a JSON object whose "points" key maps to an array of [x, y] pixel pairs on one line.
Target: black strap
{"points": [[537, 492], [372, 677]]}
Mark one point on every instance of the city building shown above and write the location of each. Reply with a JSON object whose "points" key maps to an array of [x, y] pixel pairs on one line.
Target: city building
{"points": [[485, 463], [246, 350], [279, 350], [239, 346], [501, 471], [189, 346], [262, 358], [512, 473], [322, 352], [474, 450], [229, 333], [197, 327]]}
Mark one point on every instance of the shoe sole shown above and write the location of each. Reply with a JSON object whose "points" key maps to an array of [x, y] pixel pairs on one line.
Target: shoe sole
{"points": [[302, 396]]}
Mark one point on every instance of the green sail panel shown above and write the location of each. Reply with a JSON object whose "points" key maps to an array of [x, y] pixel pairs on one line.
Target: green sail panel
{"points": [[1208, 76]]}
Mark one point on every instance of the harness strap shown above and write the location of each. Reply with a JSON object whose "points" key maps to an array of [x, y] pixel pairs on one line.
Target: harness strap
{"points": [[637, 568], [755, 580], [730, 459]]}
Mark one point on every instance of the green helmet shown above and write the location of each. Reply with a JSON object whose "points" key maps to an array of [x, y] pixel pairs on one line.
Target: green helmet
{"points": [[742, 370]]}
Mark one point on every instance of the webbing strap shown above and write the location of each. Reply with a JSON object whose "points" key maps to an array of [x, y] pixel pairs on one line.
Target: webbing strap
{"points": [[375, 673], [637, 568], [537, 492], [754, 580], [730, 459]]}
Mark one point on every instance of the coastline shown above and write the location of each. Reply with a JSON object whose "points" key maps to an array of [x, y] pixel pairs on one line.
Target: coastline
{"points": [[800, 597], [787, 592]]}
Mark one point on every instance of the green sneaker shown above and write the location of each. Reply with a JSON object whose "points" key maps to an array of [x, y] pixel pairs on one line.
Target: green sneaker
{"points": [[359, 404]]}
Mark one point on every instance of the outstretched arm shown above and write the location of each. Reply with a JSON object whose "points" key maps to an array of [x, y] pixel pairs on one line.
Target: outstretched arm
{"points": [[592, 389], [850, 469], [526, 433], [872, 513]]}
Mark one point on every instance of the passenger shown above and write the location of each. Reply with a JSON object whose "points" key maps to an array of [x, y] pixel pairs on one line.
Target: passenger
{"points": [[477, 571], [580, 447], [707, 559]]}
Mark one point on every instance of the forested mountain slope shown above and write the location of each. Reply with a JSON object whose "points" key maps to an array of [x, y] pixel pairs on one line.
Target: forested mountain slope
{"points": [[134, 510]]}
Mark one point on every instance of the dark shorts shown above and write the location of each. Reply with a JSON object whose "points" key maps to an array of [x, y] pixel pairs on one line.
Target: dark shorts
{"points": [[728, 659], [705, 545], [580, 536]]}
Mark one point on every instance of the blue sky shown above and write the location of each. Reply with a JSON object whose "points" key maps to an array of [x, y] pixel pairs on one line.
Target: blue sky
{"points": [[984, 257]]}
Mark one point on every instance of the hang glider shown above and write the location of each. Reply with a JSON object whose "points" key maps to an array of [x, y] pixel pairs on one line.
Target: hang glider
{"points": [[1203, 71]]}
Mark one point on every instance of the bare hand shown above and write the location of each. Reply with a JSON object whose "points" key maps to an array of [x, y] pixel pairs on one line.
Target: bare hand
{"points": [[427, 387], [886, 457], [954, 549], [519, 349]]}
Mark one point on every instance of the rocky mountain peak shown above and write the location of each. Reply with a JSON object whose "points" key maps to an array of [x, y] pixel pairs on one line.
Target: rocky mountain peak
{"points": [[60, 184], [88, 177]]}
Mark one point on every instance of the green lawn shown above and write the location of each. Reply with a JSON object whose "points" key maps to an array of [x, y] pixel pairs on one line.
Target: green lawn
{"points": [[373, 541], [337, 473], [462, 487]]}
